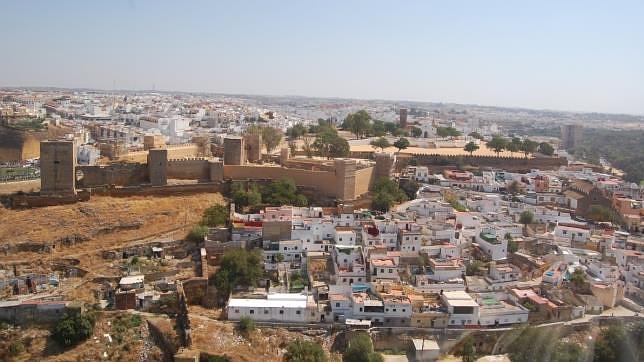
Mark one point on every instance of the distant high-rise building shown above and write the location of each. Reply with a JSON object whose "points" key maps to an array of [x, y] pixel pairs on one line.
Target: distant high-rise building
{"points": [[403, 117], [571, 135]]}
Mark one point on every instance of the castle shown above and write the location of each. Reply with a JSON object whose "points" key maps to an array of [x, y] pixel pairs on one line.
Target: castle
{"points": [[340, 179]]}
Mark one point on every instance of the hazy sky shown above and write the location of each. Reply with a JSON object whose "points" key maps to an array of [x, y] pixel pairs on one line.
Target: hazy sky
{"points": [[565, 55]]}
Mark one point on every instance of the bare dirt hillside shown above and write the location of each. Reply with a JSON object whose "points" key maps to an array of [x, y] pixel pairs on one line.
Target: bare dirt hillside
{"points": [[100, 224]]}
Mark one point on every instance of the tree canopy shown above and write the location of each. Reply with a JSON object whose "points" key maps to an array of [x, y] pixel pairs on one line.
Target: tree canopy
{"points": [[360, 349], [359, 123], [386, 193], [471, 147], [497, 144], [526, 217], [381, 143], [447, 132], [73, 328], [297, 131], [277, 193], [238, 267], [215, 215], [401, 144], [304, 351], [328, 144], [546, 148]]}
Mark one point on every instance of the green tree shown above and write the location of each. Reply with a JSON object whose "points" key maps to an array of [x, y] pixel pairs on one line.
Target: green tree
{"points": [[392, 128], [614, 344], [238, 267], [304, 351], [474, 267], [360, 349], [381, 143], [568, 352], [328, 144], [401, 144], [546, 148], [447, 132], [497, 144], [578, 278], [215, 215], [297, 131], [526, 217], [514, 187], [292, 146], [476, 135], [16, 347], [386, 193], [410, 187], [307, 146], [416, 132], [358, 123], [471, 147], [378, 128], [529, 147], [283, 192], [246, 326], [244, 196], [513, 247], [532, 345], [468, 351], [197, 234], [514, 145], [73, 328], [271, 138]]}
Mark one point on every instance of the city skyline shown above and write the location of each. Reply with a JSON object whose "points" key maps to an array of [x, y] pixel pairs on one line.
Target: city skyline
{"points": [[567, 57]]}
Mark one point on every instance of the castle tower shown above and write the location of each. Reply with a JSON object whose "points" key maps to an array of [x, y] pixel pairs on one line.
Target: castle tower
{"points": [[253, 147], [384, 165], [158, 166], [58, 168], [345, 176], [234, 150], [403, 117]]}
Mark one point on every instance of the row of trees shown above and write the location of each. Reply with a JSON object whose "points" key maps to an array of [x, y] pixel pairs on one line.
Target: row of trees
{"points": [[277, 193], [321, 140], [382, 143], [499, 144], [362, 125]]}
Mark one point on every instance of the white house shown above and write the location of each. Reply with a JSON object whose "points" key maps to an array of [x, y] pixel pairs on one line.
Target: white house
{"points": [[278, 307]]}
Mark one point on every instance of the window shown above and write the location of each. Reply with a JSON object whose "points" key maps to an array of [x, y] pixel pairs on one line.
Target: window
{"points": [[361, 309], [394, 309], [298, 312], [252, 311], [236, 310], [281, 311], [403, 310], [265, 311], [337, 305]]}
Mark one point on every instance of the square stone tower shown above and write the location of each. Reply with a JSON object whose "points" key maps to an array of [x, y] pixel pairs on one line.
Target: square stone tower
{"points": [[57, 168], [158, 166], [345, 176], [234, 150]]}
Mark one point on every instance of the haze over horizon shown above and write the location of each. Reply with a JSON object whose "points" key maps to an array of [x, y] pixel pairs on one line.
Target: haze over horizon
{"points": [[576, 56]]}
